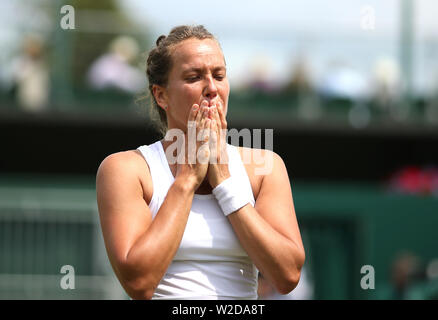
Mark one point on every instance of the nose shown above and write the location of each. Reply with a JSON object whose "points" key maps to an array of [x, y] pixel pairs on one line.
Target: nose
{"points": [[210, 89]]}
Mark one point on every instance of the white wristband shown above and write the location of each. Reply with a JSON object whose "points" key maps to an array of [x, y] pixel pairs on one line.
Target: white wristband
{"points": [[229, 195]]}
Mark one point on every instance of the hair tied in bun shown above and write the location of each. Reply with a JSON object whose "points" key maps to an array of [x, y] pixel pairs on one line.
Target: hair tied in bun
{"points": [[160, 38]]}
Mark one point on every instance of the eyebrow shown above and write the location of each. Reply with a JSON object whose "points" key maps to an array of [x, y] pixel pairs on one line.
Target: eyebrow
{"points": [[200, 70]]}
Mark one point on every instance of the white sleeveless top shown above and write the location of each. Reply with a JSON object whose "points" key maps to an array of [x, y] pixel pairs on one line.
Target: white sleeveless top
{"points": [[210, 262]]}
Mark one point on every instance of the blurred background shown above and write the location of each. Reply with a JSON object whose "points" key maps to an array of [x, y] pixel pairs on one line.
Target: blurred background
{"points": [[350, 89]]}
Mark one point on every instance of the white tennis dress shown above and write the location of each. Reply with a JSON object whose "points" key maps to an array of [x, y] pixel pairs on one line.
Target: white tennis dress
{"points": [[210, 262]]}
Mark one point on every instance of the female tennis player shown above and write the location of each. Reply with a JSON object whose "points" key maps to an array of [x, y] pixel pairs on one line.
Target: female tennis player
{"points": [[201, 226]]}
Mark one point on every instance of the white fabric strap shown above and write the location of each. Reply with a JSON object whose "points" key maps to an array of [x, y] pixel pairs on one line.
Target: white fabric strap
{"points": [[229, 195]]}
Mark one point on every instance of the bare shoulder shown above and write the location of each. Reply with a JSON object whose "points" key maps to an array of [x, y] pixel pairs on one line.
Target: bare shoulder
{"points": [[260, 163], [127, 161], [125, 166]]}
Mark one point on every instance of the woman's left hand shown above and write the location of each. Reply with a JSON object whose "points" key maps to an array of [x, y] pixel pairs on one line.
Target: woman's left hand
{"points": [[218, 166]]}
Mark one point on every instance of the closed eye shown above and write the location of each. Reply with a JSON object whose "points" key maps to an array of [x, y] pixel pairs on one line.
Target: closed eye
{"points": [[193, 78]]}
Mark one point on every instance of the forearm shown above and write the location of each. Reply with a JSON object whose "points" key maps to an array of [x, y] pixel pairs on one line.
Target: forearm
{"points": [[152, 253], [278, 258]]}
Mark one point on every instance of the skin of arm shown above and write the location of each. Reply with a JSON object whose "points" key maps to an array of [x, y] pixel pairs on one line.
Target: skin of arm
{"points": [[140, 249], [269, 232]]}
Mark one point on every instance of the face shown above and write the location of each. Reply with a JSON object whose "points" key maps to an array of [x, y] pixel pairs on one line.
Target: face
{"points": [[198, 73]]}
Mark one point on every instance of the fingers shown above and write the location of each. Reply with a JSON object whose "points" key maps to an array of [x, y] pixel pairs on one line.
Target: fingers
{"points": [[215, 115], [220, 109], [221, 128], [200, 114], [204, 136], [191, 123], [201, 121], [206, 129], [214, 141], [204, 123], [191, 128], [209, 122], [193, 112]]}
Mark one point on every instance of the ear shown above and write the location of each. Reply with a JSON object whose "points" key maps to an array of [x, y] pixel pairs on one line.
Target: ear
{"points": [[160, 95]]}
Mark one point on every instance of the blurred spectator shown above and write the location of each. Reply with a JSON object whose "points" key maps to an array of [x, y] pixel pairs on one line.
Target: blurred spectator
{"points": [[428, 288], [386, 84], [406, 272], [432, 270], [303, 291], [431, 112], [300, 82], [415, 180], [260, 69], [301, 88], [30, 75], [343, 82], [113, 70]]}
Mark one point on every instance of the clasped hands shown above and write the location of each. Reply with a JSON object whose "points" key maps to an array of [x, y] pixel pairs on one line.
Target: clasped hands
{"points": [[206, 154]]}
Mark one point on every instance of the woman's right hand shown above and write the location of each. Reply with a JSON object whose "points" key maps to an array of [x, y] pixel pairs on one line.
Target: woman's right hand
{"points": [[194, 166]]}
